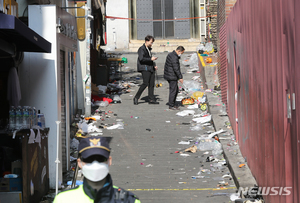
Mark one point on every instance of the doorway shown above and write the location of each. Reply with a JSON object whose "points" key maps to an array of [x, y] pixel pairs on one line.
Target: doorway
{"points": [[163, 13]]}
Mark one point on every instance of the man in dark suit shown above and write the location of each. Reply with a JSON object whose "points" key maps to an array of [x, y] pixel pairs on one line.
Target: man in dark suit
{"points": [[172, 74], [146, 66]]}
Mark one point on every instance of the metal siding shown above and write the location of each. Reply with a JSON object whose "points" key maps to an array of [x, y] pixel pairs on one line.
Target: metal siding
{"points": [[295, 116], [182, 27], [144, 11], [157, 14], [267, 40]]}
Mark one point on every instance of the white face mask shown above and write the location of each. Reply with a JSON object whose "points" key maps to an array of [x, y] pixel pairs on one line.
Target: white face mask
{"points": [[179, 54], [95, 171]]}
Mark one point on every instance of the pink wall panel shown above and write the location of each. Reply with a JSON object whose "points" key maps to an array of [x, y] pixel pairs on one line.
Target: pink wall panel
{"points": [[263, 44]]}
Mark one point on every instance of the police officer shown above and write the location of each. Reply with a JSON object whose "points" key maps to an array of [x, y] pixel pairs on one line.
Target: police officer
{"points": [[94, 161]]}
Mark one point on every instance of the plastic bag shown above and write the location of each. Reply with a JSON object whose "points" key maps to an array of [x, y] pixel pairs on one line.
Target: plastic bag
{"points": [[200, 47], [204, 146], [92, 128], [209, 47], [116, 99], [191, 85], [217, 152], [196, 128], [101, 103], [197, 94], [102, 88], [192, 62], [74, 144], [119, 125]]}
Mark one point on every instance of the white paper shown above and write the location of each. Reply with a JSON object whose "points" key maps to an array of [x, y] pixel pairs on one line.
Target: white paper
{"points": [[183, 142], [194, 106], [215, 133], [202, 119], [185, 113]]}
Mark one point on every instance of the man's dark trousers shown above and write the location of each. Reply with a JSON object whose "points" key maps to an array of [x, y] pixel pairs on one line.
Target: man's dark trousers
{"points": [[148, 80], [173, 86]]}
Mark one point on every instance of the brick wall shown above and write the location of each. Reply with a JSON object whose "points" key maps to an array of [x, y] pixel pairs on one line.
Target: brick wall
{"points": [[224, 8], [212, 10], [228, 6], [221, 21]]}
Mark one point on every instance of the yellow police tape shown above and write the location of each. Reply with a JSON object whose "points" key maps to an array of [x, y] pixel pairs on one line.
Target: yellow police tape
{"points": [[189, 189]]}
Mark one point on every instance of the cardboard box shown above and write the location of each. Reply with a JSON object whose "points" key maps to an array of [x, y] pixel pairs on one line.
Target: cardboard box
{"points": [[10, 184], [11, 197]]}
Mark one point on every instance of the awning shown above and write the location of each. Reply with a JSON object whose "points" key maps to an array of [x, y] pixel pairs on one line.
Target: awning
{"points": [[14, 31]]}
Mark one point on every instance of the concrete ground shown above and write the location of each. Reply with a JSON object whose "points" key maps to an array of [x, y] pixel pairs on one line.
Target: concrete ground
{"points": [[143, 153]]}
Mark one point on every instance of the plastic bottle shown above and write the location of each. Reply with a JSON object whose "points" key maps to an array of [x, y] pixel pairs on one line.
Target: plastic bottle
{"points": [[19, 118], [39, 120], [26, 117], [30, 116], [34, 115], [12, 118]]}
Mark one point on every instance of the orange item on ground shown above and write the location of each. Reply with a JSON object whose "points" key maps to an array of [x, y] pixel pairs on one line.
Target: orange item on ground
{"points": [[208, 60], [187, 101], [90, 118], [241, 165]]}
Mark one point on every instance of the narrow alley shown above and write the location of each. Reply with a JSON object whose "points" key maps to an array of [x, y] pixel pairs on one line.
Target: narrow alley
{"points": [[143, 153]]}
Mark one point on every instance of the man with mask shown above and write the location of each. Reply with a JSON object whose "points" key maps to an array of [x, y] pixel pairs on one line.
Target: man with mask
{"points": [[172, 74], [94, 161], [146, 66]]}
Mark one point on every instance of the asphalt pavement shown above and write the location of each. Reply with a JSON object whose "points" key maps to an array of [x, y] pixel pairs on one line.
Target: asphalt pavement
{"points": [[143, 153]]}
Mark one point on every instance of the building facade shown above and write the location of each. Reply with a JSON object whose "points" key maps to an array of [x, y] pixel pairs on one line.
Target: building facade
{"points": [[166, 20]]}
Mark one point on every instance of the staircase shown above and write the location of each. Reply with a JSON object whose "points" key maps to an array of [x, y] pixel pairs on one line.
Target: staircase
{"points": [[190, 45]]}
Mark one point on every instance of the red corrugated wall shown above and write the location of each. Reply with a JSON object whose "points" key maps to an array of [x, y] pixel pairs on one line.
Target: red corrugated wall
{"points": [[263, 43]]}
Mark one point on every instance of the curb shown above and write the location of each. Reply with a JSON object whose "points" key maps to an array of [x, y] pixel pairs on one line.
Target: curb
{"points": [[233, 156]]}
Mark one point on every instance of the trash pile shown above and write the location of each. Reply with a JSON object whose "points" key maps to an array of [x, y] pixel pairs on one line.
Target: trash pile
{"points": [[205, 142], [207, 148], [207, 47], [102, 95], [88, 127]]}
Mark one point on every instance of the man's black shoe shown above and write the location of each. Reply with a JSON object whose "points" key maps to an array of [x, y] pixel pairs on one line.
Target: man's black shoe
{"points": [[153, 102], [174, 108], [135, 101]]}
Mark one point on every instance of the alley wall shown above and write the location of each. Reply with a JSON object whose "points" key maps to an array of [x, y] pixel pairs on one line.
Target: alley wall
{"points": [[263, 94]]}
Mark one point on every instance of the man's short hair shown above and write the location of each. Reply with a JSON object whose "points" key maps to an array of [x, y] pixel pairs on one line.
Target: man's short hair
{"points": [[180, 48], [148, 38]]}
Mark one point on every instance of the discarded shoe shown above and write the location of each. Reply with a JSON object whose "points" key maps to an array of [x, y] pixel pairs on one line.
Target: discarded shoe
{"points": [[174, 108], [135, 101], [153, 102]]}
